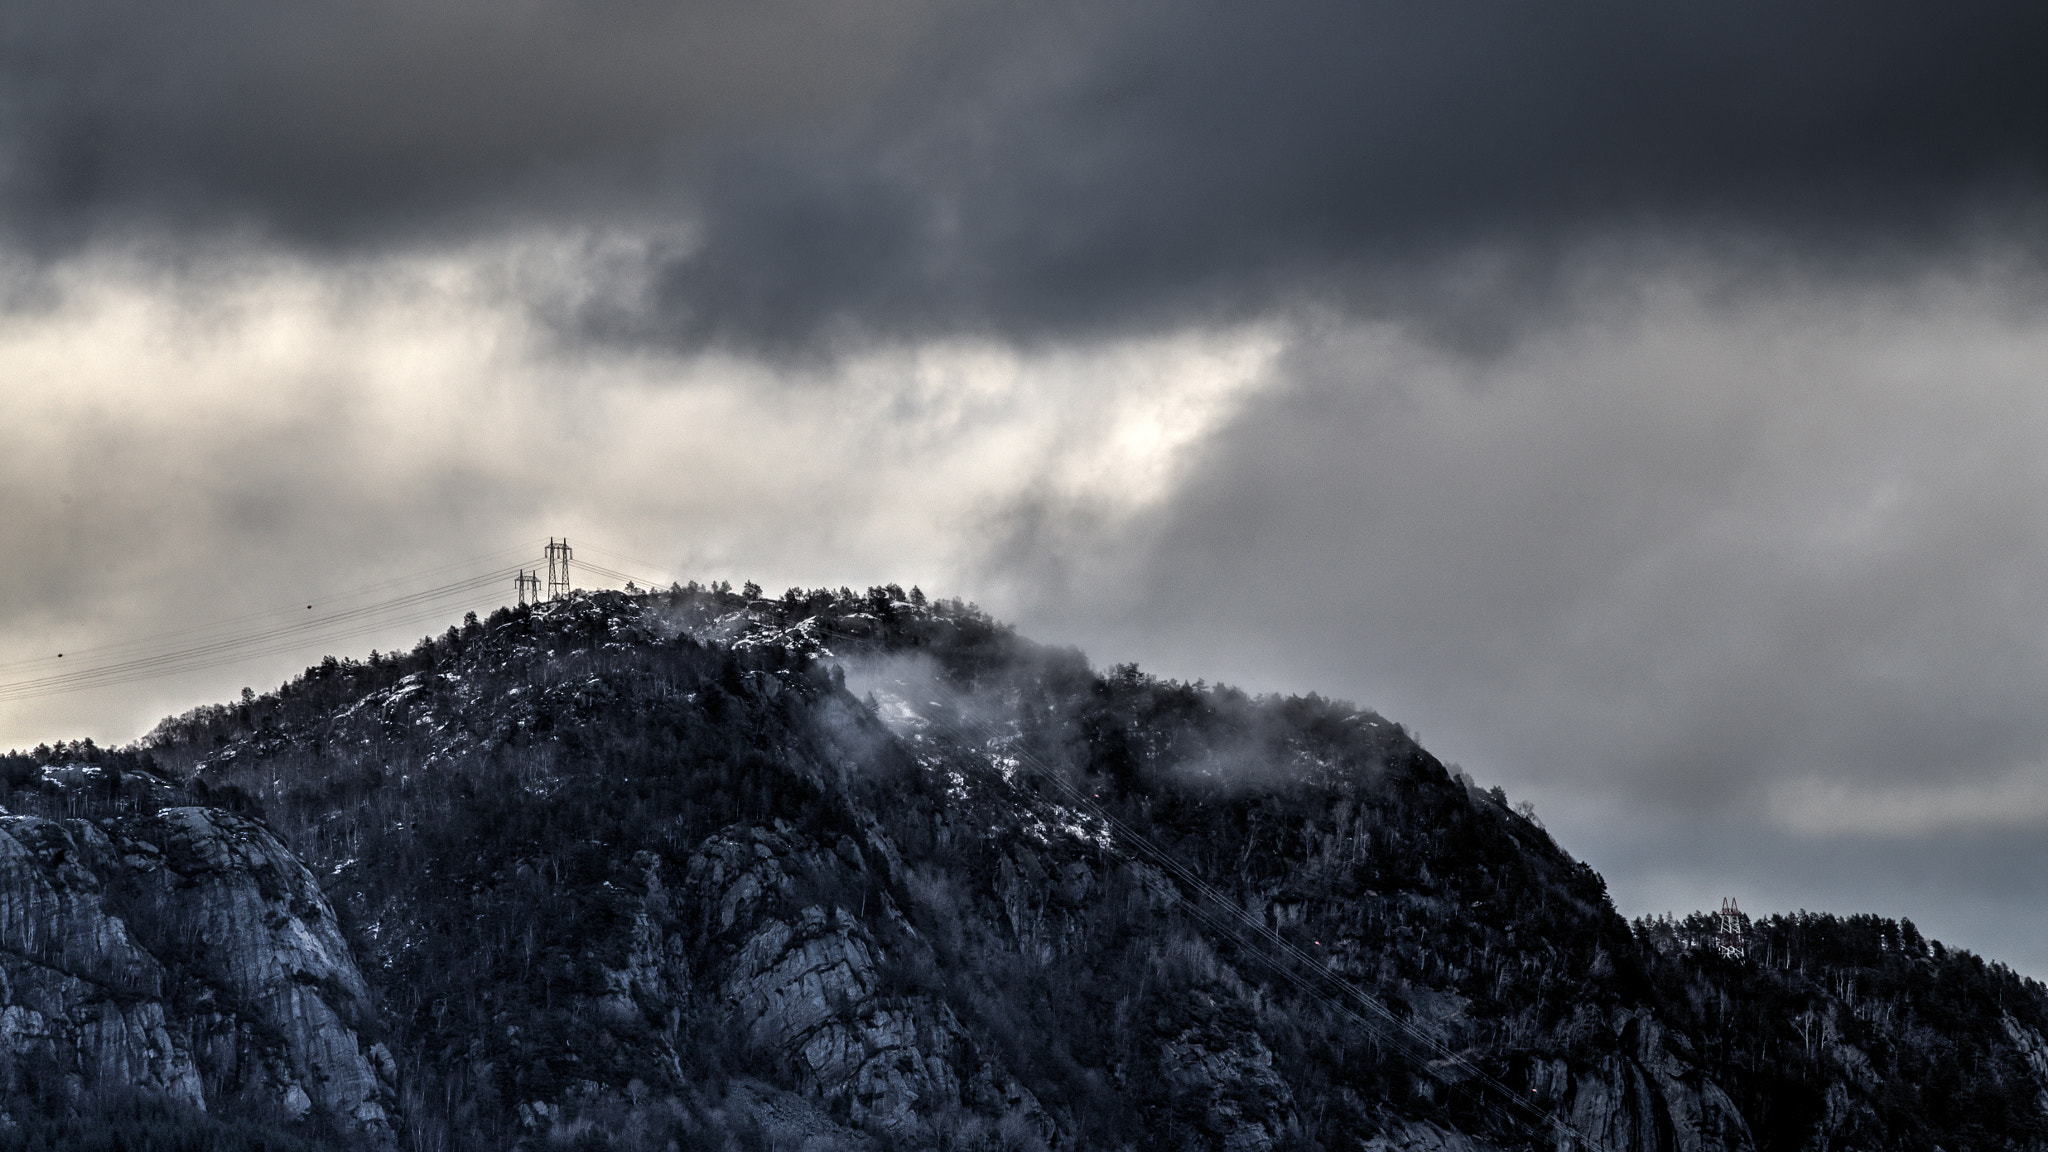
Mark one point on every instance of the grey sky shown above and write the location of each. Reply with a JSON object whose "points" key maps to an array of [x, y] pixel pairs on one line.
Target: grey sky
{"points": [[1641, 400]]}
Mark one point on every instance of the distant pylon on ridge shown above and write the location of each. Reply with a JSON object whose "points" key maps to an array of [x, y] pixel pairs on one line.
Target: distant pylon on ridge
{"points": [[524, 582], [1734, 933], [558, 568]]}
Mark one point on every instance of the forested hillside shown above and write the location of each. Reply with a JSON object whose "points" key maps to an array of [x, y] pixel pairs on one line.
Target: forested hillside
{"points": [[702, 869]]}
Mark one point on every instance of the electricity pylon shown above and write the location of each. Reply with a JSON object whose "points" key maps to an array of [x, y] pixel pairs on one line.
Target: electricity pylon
{"points": [[558, 568]]}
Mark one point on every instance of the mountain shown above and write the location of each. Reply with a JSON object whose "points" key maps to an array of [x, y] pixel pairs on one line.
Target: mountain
{"points": [[703, 870]]}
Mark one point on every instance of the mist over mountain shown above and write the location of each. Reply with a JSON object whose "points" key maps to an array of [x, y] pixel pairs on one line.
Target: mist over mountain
{"points": [[702, 869]]}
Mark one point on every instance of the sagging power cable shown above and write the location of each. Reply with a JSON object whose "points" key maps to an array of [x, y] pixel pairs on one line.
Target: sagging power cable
{"points": [[282, 613], [213, 645]]}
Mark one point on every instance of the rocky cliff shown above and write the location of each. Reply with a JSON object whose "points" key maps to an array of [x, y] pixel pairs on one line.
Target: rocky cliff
{"points": [[838, 870], [186, 953]]}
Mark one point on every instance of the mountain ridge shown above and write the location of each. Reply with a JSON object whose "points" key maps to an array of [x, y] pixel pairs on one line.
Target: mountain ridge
{"points": [[707, 869]]}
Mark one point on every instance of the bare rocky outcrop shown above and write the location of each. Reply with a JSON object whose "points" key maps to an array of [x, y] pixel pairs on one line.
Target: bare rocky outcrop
{"points": [[2033, 1049], [1240, 1099], [1647, 1094], [186, 954], [81, 1003], [802, 977]]}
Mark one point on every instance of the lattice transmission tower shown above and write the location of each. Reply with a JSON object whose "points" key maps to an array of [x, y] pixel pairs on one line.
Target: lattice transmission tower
{"points": [[558, 568], [527, 582], [1734, 930]]}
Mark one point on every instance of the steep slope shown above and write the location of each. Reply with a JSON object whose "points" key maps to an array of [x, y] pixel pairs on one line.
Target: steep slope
{"points": [[698, 869], [186, 953]]}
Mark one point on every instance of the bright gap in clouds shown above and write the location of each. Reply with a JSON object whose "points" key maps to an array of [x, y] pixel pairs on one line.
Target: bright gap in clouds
{"points": [[1740, 573], [247, 429]]}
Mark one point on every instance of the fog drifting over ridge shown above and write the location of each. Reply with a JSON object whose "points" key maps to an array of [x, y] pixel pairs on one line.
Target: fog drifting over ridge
{"points": [[1642, 403]]}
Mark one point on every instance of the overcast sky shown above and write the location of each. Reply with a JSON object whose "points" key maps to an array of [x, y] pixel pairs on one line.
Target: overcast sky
{"points": [[1643, 401]]}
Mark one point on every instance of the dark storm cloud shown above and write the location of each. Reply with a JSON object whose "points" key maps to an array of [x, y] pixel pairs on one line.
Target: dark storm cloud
{"points": [[360, 122], [1023, 168], [1167, 163]]}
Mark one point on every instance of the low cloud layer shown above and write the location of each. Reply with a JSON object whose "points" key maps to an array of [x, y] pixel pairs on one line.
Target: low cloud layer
{"points": [[1640, 400]]}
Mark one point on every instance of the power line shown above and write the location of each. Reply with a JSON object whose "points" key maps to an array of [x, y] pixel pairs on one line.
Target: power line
{"points": [[430, 614], [221, 642], [302, 628], [657, 569], [414, 607], [609, 573], [293, 610]]}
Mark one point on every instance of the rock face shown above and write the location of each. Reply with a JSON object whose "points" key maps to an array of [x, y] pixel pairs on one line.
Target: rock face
{"points": [[83, 1002], [802, 977], [1648, 1093], [186, 953]]}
